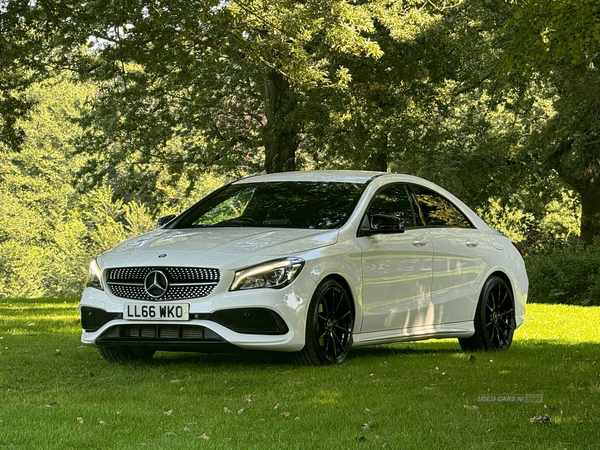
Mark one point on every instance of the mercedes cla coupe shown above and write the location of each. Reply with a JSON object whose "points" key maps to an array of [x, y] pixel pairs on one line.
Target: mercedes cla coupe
{"points": [[308, 262]]}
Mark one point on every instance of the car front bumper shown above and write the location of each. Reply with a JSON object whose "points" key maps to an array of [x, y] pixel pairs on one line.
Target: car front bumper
{"points": [[289, 303]]}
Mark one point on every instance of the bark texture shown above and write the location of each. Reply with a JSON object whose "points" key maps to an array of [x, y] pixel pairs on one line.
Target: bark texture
{"points": [[590, 213], [279, 136]]}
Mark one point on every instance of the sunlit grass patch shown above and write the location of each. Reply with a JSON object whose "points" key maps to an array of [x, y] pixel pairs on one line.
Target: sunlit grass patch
{"points": [[561, 323], [412, 395], [25, 317]]}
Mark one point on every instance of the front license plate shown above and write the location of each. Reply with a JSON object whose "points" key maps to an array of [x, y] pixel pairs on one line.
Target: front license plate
{"points": [[151, 311]]}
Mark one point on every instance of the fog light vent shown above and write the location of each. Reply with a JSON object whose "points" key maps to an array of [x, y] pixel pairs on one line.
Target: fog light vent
{"points": [[92, 319], [250, 320]]}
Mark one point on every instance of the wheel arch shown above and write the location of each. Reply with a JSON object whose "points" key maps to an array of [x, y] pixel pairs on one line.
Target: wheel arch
{"points": [[346, 285], [480, 340], [504, 276]]}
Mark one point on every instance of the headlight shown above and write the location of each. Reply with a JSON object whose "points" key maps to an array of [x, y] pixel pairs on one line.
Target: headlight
{"points": [[94, 276], [272, 274]]}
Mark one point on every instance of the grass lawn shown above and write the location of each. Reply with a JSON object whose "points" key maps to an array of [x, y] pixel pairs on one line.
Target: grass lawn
{"points": [[57, 394]]}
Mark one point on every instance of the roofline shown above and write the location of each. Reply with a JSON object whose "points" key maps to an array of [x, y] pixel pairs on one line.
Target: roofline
{"points": [[366, 180], [380, 175]]}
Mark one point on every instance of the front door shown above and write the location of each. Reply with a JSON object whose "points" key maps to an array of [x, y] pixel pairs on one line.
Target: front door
{"points": [[396, 268]]}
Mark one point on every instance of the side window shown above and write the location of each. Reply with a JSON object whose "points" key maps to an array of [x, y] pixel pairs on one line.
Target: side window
{"points": [[394, 200], [437, 211]]}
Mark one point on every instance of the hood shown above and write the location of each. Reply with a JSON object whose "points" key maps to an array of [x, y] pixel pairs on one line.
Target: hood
{"points": [[213, 247]]}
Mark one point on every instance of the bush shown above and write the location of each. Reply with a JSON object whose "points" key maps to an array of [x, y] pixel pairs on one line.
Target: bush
{"points": [[568, 275]]}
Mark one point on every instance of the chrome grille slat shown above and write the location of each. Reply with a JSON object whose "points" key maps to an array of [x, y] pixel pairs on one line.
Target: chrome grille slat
{"points": [[184, 282]]}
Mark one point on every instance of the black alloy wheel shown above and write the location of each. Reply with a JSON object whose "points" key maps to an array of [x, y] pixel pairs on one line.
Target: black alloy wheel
{"points": [[329, 325], [494, 319]]}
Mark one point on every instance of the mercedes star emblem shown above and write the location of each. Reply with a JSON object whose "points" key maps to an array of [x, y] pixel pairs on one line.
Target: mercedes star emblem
{"points": [[156, 284]]}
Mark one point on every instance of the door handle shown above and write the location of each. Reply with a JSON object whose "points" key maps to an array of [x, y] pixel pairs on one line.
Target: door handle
{"points": [[472, 243], [419, 242]]}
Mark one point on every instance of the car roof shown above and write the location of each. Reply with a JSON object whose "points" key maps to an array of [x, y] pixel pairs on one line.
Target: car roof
{"points": [[340, 176], [362, 177]]}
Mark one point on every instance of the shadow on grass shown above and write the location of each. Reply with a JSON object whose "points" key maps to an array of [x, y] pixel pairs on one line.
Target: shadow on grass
{"points": [[265, 358], [523, 350]]}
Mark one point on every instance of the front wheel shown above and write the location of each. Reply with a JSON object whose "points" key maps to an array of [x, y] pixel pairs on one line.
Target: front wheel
{"points": [[328, 325], [494, 318]]}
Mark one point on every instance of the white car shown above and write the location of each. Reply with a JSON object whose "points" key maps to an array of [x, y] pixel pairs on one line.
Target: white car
{"points": [[309, 262]]}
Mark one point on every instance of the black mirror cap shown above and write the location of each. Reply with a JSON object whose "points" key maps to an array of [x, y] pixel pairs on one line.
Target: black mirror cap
{"points": [[164, 220], [382, 224]]}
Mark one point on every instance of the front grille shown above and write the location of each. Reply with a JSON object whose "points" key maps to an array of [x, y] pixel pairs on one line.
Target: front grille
{"points": [[168, 332], [192, 333], [174, 292], [148, 332], [181, 274], [183, 282], [159, 333]]}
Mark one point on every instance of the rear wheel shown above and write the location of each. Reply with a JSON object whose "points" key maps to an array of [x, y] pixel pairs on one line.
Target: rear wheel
{"points": [[125, 354], [494, 318], [328, 325]]}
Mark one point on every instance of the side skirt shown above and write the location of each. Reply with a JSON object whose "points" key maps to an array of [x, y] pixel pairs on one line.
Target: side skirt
{"points": [[442, 331]]}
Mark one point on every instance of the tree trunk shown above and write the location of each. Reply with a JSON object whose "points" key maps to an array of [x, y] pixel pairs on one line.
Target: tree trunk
{"points": [[379, 158], [590, 213], [280, 138], [378, 162]]}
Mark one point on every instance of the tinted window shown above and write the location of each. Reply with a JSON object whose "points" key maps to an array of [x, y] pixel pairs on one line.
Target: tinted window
{"points": [[437, 211], [279, 204], [394, 201]]}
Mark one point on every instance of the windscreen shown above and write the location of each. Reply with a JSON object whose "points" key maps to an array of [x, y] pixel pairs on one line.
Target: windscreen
{"points": [[318, 205]]}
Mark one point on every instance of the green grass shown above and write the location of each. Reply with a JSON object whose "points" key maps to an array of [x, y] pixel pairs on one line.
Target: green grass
{"points": [[411, 395]]}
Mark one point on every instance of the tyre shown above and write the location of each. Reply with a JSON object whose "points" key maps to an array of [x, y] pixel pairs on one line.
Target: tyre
{"points": [[125, 354], [328, 325], [494, 318]]}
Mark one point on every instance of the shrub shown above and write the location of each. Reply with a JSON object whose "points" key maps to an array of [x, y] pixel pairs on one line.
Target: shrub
{"points": [[568, 275]]}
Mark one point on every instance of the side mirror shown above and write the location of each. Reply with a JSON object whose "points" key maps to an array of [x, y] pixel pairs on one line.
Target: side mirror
{"points": [[165, 220], [382, 224]]}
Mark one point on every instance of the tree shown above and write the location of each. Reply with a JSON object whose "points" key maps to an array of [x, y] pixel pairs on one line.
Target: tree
{"points": [[20, 67], [49, 231], [233, 82], [560, 42]]}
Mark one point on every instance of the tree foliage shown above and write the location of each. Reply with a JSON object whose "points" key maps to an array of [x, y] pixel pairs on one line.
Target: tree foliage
{"points": [[114, 112], [241, 82], [49, 230], [559, 42]]}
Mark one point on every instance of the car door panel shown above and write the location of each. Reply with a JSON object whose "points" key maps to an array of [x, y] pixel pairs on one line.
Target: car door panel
{"points": [[459, 263], [397, 276], [460, 256], [396, 268]]}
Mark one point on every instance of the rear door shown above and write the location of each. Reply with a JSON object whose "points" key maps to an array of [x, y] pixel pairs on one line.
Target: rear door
{"points": [[397, 268], [460, 256]]}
